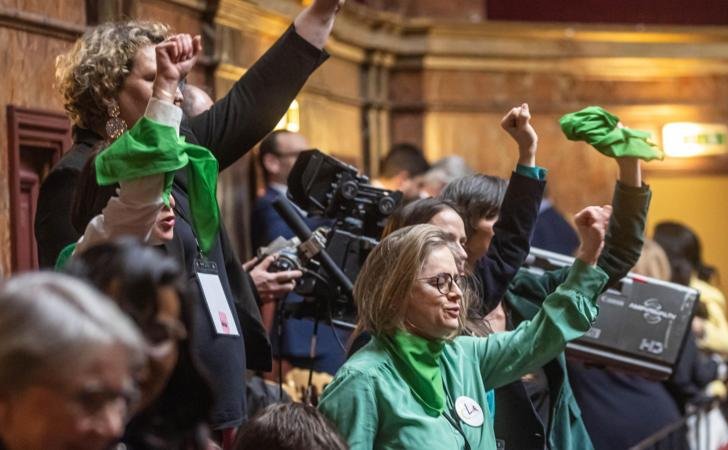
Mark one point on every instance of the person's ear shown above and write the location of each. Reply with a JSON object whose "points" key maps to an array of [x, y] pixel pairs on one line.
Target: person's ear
{"points": [[271, 163]]}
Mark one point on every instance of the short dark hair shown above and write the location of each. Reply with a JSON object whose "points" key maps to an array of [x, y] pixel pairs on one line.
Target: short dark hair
{"points": [[289, 426], [684, 251], [417, 212], [404, 156], [269, 145], [477, 197]]}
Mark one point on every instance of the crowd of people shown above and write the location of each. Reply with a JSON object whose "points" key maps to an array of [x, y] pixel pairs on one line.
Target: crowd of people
{"points": [[145, 330]]}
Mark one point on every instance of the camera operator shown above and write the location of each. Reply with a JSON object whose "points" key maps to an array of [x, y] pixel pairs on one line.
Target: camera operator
{"points": [[277, 154]]}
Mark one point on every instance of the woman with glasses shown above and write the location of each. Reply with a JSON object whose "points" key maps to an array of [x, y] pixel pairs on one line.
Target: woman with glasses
{"points": [[418, 383], [174, 396], [68, 357]]}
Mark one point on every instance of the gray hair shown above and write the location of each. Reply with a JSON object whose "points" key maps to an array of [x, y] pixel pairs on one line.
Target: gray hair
{"points": [[52, 324]]}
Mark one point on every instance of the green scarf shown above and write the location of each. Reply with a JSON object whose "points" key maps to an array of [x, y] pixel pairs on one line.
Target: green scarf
{"points": [[598, 128], [150, 148], [417, 360], [64, 256]]}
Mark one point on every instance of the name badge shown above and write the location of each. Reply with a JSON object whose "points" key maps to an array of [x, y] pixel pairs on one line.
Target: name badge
{"points": [[215, 299], [469, 411]]}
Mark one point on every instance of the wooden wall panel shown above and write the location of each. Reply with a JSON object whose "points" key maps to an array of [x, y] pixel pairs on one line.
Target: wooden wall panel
{"points": [[333, 127], [181, 19], [73, 11], [27, 82]]}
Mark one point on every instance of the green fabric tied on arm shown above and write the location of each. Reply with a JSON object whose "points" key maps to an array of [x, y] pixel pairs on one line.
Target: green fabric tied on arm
{"points": [[64, 256], [150, 148], [417, 359], [598, 128]]}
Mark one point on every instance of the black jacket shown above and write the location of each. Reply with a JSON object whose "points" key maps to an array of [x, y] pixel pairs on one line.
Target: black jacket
{"points": [[229, 129], [511, 239]]}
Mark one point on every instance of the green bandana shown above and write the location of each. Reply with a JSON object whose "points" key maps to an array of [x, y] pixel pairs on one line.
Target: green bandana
{"points": [[417, 359], [64, 256], [151, 148], [598, 128]]}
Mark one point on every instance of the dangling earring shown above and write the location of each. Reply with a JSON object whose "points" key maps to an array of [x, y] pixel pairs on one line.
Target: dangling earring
{"points": [[115, 126]]}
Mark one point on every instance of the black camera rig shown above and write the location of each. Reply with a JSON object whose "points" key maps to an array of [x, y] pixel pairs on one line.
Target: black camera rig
{"points": [[331, 258]]}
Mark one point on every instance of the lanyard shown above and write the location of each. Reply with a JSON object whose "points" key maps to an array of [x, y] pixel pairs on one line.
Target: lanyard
{"points": [[451, 415], [179, 213]]}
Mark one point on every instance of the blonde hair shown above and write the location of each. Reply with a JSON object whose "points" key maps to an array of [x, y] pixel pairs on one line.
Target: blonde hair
{"points": [[653, 262], [94, 70], [389, 275]]}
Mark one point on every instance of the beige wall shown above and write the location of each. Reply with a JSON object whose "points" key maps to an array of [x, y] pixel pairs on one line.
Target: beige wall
{"points": [[441, 83]]}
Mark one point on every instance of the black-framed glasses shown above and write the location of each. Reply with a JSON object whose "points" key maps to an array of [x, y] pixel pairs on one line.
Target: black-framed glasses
{"points": [[445, 281]]}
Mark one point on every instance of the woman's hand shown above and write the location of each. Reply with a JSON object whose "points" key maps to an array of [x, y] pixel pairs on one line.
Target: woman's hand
{"points": [[591, 224], [517, 123], [271, 285], [175, 58], [315, 23]]}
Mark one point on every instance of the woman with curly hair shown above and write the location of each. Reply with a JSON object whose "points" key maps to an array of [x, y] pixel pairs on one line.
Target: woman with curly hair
{"points": [[106, 80]]}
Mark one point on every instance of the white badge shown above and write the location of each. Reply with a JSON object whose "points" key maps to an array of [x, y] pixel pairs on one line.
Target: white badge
{"points": [[469, 411], [217, 304]]}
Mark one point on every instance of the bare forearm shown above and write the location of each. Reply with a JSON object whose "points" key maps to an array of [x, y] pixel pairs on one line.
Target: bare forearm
{"points": [[630, 173], [315, 23]]}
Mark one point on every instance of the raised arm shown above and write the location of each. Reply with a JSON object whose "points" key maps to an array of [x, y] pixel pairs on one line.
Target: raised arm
{"points": [[566, 314], [622, 244], [315, 23], [134, 210], [263, 94], [512, 232], [625, 236]]}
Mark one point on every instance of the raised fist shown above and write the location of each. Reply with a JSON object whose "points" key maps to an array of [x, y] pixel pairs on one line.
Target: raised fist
{"points": [[175, 58], [591, 224], [517, 123]]}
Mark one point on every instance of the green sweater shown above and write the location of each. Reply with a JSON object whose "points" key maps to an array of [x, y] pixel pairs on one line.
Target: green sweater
{"points": [[373, 407], [526, 294]]}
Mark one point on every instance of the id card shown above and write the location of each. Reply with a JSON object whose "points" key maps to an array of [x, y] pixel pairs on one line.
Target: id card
{"points": [[217, 304]]}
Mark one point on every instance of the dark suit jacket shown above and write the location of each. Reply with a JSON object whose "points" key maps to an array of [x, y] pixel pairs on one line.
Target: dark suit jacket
{"points": [[554, 233], [229, 129], [266, 224]]}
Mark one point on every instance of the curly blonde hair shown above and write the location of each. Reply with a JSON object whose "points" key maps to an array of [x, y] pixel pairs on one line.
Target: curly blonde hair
{"points": [[94, 70]]}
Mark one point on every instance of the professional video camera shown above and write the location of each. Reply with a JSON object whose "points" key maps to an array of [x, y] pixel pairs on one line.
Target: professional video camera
{"points": [[331, 258]]}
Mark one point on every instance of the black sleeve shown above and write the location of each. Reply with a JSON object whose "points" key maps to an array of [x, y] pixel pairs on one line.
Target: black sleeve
{"points": [[53, 228], [511, 240], [692, 372], [626, 231], [258, 100]]}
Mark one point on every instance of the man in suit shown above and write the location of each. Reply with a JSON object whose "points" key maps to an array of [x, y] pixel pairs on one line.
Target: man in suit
{"points": [[278, 153]]}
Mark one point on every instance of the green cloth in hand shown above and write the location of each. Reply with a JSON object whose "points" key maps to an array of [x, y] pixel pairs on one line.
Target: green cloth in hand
{"points": [[150, 148], [598, 128]]}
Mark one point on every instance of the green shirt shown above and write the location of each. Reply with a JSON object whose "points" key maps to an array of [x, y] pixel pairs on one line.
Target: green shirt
{"points": [[373, 407]]}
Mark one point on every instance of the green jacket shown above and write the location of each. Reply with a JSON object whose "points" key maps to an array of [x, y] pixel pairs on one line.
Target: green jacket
{"points": [[373, 407], [527, 293]]}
